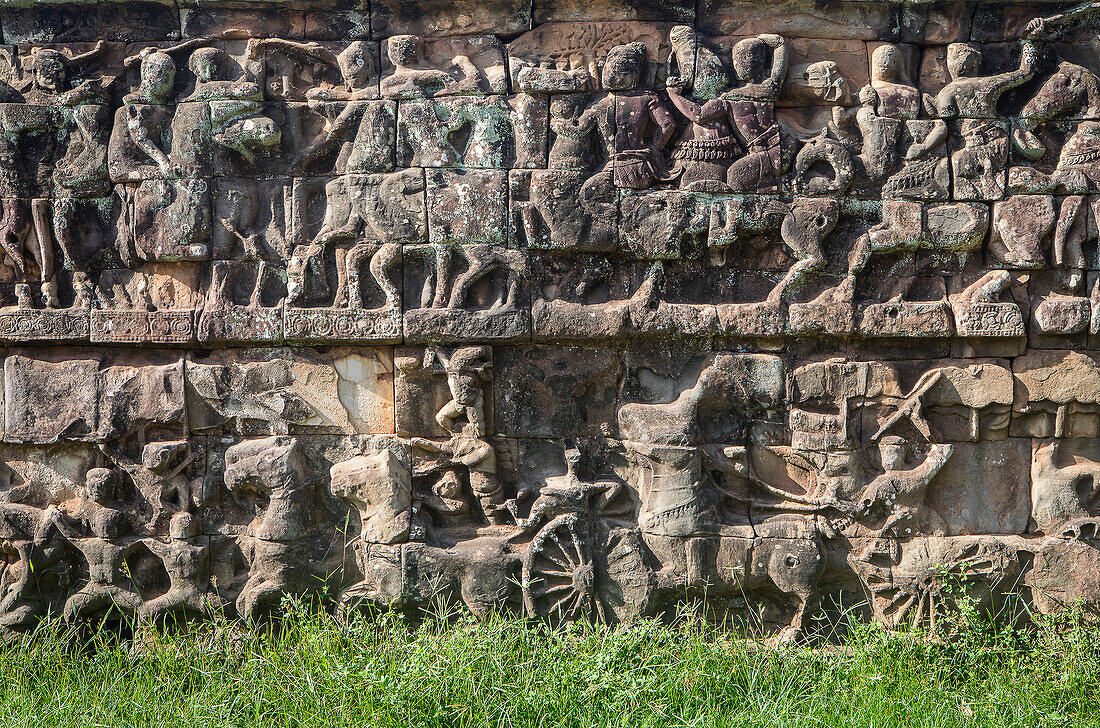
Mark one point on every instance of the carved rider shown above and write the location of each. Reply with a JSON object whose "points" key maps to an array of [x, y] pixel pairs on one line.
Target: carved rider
{"points": [[410, 81], [973, 99], [899, 492]]}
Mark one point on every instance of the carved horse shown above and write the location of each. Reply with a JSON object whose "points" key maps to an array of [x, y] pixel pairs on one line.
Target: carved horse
{"points": [[1072, 92]]}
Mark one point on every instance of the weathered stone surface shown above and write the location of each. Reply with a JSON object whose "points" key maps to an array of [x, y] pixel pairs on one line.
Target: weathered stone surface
{"points": [[563, 308]]}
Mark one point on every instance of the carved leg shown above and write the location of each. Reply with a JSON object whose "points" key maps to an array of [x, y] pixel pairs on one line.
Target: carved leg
{"points": [[64, 212], [43, 251], [441, 276], [340, 299], [478, 269], [353, 264], [648, 294], [448, 413], [1069, 237], [381, 269], [13, 231], [515, 269], [222, 280]]}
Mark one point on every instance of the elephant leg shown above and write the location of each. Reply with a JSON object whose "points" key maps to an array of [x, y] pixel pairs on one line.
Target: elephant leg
{"points": [[381, 264]]}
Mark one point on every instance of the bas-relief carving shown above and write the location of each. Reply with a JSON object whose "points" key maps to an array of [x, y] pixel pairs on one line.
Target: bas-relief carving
{"points": [[745, 307]]}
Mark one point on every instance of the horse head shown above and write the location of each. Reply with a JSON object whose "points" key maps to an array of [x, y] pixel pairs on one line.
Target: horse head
{"points": [[1072, 91]]}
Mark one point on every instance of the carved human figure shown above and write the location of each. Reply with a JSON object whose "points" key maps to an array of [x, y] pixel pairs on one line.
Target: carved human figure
{"points": [[566, 494], [237, 121], [571, 146], [445, 500], [1072, 92], [467, 369], [478, 458], [899, 492], [973, 99], [78, 169], [752, 110], [50, 72], [634, 125], [185, 560], [888, 115], [109, 585], [33, 584], [707, 147], [748, 110], [145, 112], [165, 213], [410, 80], [697, 68], [156, 76]]}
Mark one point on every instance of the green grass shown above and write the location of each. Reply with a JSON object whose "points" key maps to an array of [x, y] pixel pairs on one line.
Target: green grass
{"points": [[314, 671]]}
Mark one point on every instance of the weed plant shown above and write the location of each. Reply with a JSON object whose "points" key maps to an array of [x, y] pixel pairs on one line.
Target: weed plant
{"points": [[308, 668]]}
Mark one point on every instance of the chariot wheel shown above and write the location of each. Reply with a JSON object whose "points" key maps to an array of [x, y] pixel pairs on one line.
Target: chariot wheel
{"points": [[579, 568]]}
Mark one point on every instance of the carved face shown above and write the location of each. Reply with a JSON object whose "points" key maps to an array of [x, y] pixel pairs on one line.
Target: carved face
{"points": [[99, 483], [449, 486], [464, 387], [749, 57], [404, 50], [204, 64], [622, 67], [681, 36], [963, 60], [107, 523], [840, 470], [892, 453], [868, 96], [886, 63], [355, 65], [158, 73], [183, 526]]}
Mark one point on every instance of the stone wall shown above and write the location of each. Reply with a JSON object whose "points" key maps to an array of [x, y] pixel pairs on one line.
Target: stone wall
{"points": [[560, 309]]}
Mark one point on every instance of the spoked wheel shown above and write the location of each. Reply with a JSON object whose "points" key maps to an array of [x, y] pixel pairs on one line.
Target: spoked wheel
{"points": [[577, 567], [914, 591]]}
